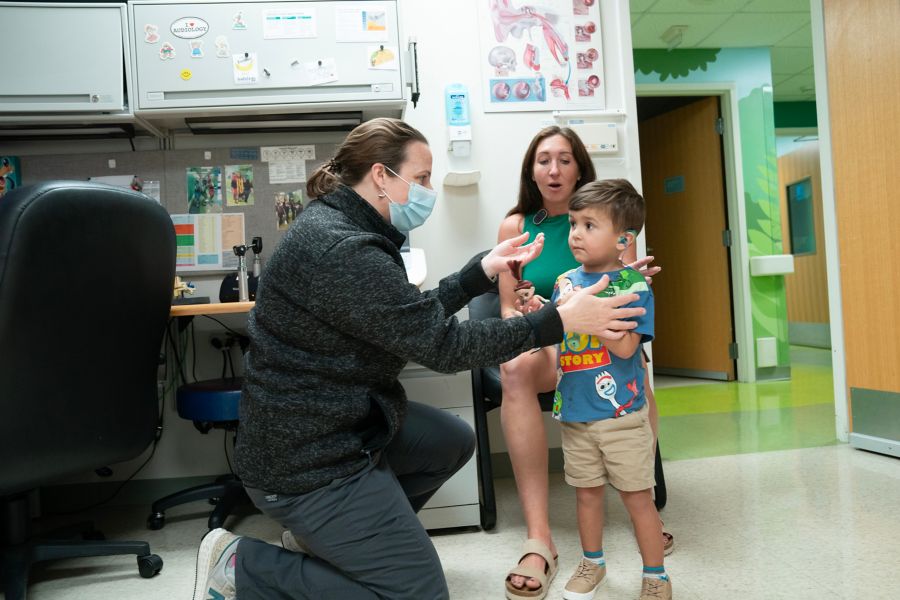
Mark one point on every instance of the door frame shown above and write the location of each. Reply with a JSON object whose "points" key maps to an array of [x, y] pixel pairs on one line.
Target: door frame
{"points": [[737, 216], [829, 214]]}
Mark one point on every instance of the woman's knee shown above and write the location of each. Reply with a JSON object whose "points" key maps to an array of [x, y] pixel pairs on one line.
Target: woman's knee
{"points": [[443, 434], [526, 376]]}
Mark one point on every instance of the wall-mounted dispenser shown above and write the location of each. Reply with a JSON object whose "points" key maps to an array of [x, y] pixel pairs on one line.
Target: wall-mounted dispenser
{"points": [[459, 127]]}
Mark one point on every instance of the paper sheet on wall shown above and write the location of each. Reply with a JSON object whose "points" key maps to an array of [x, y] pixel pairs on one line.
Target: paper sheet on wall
{"points": [[245, 68], [232, 235], [383, 58], [322, 70], [361, 24], [204, 242], [287, 172], [122, 181], [289, 23]]}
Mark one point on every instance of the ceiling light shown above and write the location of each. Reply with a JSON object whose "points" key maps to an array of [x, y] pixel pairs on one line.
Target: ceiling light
{"points": [[343, 121], [673, 36]]}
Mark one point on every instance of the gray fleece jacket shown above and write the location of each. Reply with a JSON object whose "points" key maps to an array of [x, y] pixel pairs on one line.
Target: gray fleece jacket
{"points": [[335, 322]]}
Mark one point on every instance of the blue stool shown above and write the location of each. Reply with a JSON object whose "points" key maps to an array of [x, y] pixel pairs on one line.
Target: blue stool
{"points": [[210, 404]]}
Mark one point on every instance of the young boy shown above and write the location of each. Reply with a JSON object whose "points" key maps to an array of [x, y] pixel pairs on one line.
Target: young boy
{"points": [[606, 435]]}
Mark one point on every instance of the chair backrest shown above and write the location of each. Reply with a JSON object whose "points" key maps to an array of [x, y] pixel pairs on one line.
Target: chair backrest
{"points": [[86, 274], [485, 306]]}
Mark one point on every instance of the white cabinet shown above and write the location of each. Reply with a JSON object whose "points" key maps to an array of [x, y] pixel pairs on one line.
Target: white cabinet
{"points": [[210, 59], [456, 503], [63, 58]]}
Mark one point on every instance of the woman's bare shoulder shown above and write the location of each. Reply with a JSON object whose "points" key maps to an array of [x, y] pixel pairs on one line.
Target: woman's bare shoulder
{"points": [[511, 226]]}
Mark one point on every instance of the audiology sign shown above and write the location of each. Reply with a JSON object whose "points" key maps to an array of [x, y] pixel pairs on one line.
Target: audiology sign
{"points": [[189, 28]]}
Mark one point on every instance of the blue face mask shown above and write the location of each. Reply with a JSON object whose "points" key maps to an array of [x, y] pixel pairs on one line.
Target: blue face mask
{"points": [[419, 204]]}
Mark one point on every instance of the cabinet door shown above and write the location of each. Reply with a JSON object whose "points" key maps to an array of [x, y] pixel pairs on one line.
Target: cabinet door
{"points": [[236, 53], [440, 391], [63, 58], [462, 488]]}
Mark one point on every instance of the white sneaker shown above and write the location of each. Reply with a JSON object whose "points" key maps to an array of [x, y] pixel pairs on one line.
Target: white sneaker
{"points": [[214, 577]]}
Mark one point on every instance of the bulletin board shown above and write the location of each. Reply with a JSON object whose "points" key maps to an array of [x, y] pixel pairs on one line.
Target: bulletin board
{"points": [[264, 209], [227, 53]]}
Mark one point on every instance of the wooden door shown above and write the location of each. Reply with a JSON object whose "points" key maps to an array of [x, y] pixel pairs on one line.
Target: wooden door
{"points": [[681, 166]]}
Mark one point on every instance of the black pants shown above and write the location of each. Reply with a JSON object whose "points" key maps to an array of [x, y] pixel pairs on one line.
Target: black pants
{"points": [[362, 529]]}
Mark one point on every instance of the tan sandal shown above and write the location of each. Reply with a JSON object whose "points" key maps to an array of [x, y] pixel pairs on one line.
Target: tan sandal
{"points": [[668, 541], [544, 577]]}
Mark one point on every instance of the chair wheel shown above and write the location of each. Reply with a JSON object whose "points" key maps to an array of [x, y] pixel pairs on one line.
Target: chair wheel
{"points": [[149, 565], [156, 521]]}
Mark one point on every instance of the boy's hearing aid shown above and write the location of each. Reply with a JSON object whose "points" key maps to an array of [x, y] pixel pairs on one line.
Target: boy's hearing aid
{"points": [[623, 239]]}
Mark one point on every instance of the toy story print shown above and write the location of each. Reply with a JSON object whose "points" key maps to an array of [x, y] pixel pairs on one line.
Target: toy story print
{"points": [[204, 190], [10, 175], [239, 185], [541, 57], [592, 383]]}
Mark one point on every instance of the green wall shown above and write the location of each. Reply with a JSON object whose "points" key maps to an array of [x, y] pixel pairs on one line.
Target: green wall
{"points": [[749, 69]]}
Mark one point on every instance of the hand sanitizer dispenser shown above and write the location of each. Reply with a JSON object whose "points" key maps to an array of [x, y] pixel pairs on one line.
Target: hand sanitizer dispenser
{"points": [[459, 128]]}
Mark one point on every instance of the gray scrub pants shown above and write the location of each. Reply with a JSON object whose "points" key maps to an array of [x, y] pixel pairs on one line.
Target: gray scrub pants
{"points": [[362, 530]]}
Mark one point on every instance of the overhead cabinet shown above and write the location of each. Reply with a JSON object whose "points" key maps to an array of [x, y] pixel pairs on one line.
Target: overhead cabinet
{"points": [[64, 58], [275, 55]]}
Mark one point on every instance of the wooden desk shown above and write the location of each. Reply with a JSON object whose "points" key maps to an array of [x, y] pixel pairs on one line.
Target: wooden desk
{"points": [[213, 308]]}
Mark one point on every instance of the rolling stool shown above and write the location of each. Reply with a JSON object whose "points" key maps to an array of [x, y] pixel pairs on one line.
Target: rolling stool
{"points": [[209, 404]]}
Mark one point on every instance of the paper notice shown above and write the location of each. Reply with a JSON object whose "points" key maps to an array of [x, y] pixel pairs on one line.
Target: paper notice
{"points": [[287, 172], [285, 24]]}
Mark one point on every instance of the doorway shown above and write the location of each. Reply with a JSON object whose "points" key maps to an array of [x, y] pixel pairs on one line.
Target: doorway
{"points": [[683, 174]]}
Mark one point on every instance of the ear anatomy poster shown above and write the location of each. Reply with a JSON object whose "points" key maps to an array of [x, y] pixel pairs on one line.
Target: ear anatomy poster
{"points": [[541, 57]]}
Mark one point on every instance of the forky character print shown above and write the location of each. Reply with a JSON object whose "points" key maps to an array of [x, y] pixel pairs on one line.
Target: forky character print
{"points": [[526, 300], [606, 389]]}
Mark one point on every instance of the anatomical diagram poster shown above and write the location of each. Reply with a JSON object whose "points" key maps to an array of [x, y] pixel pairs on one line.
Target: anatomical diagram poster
{"points": [[542, 56]]}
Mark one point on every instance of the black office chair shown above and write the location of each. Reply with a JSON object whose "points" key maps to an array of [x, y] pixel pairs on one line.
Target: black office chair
{"points": [[210, 404], [487, 395], [86, 274]]}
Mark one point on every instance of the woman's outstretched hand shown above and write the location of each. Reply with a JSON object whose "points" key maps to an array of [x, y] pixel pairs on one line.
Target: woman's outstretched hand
{"points": [[495, 262], [583, 312], [642, 266]]}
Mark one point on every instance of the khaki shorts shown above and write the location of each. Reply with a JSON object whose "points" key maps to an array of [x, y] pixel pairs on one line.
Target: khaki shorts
{"points": [[617, 451]]}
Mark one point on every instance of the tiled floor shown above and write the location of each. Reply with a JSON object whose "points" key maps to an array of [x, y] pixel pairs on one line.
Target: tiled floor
{"points": [[762, 501]]}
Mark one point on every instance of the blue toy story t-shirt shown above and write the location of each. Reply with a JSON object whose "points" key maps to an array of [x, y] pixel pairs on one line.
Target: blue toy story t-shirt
{"points": [[595, 384]]}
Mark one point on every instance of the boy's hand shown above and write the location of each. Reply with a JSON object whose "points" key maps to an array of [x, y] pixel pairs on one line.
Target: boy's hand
{"points": [[535, 303]]}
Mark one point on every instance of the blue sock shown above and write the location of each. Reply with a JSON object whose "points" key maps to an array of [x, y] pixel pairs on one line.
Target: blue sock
{"points": [[655, 573], [595, 557]]}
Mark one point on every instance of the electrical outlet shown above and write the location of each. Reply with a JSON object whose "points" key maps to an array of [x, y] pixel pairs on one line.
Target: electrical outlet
{"points": [[217, 341]]}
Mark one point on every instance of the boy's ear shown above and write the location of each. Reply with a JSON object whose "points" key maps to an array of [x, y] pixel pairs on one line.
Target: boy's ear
{"points": [[626, 239]]}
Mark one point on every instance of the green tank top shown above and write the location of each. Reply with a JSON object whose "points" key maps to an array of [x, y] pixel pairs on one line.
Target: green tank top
{"points": [[555, 258]]}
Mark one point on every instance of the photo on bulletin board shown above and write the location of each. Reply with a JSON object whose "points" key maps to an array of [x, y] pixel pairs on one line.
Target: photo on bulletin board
{"points": [[537, 58], [239, 185], [288, 206], [204, 190], [10, 174]]}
